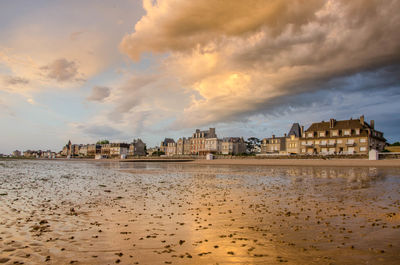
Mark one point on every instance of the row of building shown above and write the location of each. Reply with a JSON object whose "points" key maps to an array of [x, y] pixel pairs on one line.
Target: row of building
{"points": [[108, 150], [354, 136], [202, 143]]}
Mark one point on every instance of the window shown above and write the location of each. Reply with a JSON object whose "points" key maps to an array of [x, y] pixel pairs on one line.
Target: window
{"points": [[363, 149], [310, 134], [303, 142], [346, 132], [339, 141], [335, 133], [363, 140], [303, 150], [357, 131], [322, 134], [317, 142]]}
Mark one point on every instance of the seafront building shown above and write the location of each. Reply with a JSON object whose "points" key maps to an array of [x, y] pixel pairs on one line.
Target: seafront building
{"points": [[183, 146], [233, 146], [198, 141], [343, 137], [354, 136], [137, 148], [273, 145]]}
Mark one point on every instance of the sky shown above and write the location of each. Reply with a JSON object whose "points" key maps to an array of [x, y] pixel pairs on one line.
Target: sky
{"points": [[119, 70]]}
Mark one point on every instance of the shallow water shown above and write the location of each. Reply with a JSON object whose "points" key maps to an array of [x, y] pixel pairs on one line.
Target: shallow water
{"points": [[70, 212]]}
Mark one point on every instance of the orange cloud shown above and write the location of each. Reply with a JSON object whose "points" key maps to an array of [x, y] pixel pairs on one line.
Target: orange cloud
{"points": [[241, 56]]}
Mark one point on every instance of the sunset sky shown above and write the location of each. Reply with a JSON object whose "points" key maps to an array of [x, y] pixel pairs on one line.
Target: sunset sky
{"points": [[118, 70]]}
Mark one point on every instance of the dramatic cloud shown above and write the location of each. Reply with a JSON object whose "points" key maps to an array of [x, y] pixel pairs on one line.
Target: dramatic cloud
{"points": [[15, 80], [62, 70], [99, 93], [247, 57]]}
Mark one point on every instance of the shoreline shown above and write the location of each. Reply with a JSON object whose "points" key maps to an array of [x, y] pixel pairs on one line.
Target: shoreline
{"points": [[249, 162], [302, 162]]}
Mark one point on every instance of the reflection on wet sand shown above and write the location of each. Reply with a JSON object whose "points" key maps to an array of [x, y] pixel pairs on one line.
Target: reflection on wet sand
{"points": [[158, 213]]}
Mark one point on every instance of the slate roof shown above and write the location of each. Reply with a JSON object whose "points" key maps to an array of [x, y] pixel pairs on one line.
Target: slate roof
{"points": [[339, 125], [295, 130]]}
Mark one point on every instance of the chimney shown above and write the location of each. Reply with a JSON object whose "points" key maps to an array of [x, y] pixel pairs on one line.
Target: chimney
{"points": [[332, 123], [372, 124], [301, 131], [362, 120]]}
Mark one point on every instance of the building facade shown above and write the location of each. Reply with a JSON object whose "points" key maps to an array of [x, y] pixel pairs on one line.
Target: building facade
{"points": [[117, 150], [198, 141], [137, 148], [183, 146], [354, 136], [233, 146], [164, 144], [273, 145]]}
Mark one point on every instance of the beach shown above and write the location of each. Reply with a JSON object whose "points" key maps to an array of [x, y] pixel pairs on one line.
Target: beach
{"points": [[303, 162], [199, 212]]}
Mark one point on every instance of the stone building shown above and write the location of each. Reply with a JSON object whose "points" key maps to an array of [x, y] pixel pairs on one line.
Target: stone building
{"points": [[293, 139], [233, 146], [117, 150], [83, 151], [183, 146], [164, 144], [198, 142], [137, 148], [171, 149], [342, 137], [212, 145], [273, 145], [94, 149]]}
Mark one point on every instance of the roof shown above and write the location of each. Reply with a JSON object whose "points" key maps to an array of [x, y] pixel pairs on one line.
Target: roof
{"points": [[338, 125], [344, 124], [295, 130]]}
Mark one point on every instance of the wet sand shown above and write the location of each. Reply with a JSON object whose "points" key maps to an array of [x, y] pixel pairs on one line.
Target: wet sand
{"points": [[64, 212], [303, 162]]}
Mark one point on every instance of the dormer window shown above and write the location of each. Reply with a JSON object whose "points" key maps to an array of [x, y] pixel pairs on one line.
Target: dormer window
{"points": [[310, 134], [347, 132], [335, 133], [357, 131], [321, 134]]}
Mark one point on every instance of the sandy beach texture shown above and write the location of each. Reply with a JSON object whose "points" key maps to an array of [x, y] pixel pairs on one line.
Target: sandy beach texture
{"points": [[202, 212], [303, 162]]}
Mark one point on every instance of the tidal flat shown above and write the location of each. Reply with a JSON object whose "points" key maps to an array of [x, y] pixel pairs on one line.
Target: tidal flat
{"points": [[81, 212]]}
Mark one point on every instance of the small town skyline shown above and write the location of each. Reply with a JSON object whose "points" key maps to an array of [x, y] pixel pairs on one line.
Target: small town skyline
{"points": [[333, 137]]}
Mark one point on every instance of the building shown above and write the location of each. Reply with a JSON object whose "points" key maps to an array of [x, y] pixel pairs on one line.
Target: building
{"points": [[83, 151], [93, 149], [164, 144], [342, 137], [293, 139], [117, 150], [233, 146], [198, 143], [273, 145], [212, 145], [16, 153], [183, 146], [137, 148], [171, 149]]}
